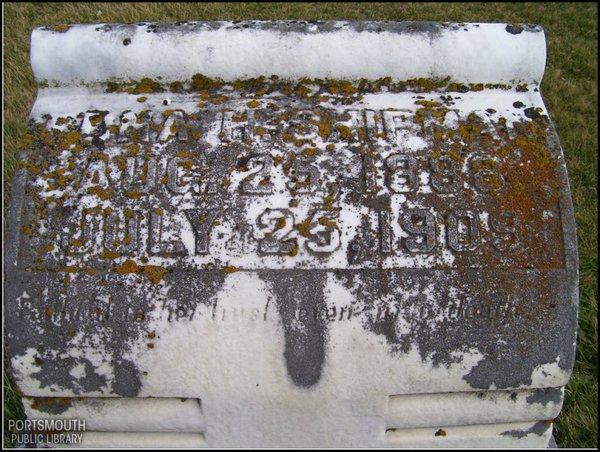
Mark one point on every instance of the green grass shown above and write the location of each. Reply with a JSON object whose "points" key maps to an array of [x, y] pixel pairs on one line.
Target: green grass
{"points": [[570, 91]]}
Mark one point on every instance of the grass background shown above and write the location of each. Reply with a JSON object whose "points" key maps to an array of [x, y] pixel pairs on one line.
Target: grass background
{"points": [[569, 88]]}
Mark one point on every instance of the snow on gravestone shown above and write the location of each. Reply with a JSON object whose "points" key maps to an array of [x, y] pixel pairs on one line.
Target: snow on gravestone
{"points": [[292, 234]]}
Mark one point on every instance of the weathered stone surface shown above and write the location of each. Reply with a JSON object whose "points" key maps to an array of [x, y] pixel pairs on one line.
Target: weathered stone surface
{"points": [[314, 228]]}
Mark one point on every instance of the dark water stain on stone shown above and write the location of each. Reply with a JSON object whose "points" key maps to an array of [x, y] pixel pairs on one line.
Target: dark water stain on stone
{"points": [[53, 372], [539, 428], [127, 379], [301, 304], [469, 318], [545, 396]]}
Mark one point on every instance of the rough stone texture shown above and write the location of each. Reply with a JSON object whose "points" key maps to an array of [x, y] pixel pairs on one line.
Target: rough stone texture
{"points": [[325, 252]]}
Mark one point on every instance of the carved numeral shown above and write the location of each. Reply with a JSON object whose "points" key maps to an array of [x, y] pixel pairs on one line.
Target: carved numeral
{"points": [[258, 181], [485, 175], [506, 231], [401, 174], [445, 174], [305, 178], [463, 230], [325, 234], [420, 223], [279, 223]]}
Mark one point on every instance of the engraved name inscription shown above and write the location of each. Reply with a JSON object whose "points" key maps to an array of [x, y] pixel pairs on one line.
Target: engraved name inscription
{"points": [[387, 188]]}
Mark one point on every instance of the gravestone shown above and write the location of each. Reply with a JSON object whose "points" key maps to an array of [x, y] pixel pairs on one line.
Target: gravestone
{"points": [[292, 234]]}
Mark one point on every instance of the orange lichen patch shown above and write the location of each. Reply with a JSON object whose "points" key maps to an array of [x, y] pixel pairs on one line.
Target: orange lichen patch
{"points": [[440, 432], [120, 161], [150, 345], [201, 82], [68, 139], [347, 88], [362, 133], [134, 194], [345, 132], [277, 160], [471, 130], [230, 269], [218, 99], [327, 222], [107, 254], [260, 131], [96, 119], [332, 87], [280, 223], [73, 269], [428, 103], [151, 335], [458, 87], [204, 95], [77, 242], [521, 174], [129, 266], [302, 91], [154, 273], [240, 118], [146, 86], [534, 182], [49, 312], [304, 227], [63, 180], [60, 28], [454, 155], [310, 152], [294, 250], [103, 194], [26, 141], [325, 128], [253, 104], [328, 202], [330, 147]]}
